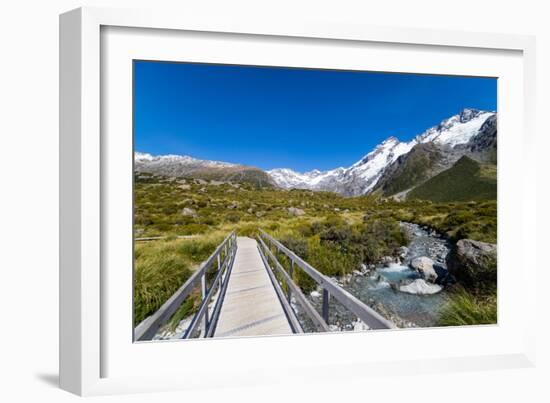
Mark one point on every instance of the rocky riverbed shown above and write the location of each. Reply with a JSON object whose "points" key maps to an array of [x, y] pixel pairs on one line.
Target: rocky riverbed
{"points": [[408, 289]]}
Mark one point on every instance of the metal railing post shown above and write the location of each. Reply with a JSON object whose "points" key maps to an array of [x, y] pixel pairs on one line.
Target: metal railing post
{"points": [[326, 298], [204, 292], [291, 275], [219, 268]]}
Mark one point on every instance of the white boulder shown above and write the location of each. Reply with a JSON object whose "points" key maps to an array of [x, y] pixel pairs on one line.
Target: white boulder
{"points": [[419, 286], [425, 266], [293, 211], [187, 211]]}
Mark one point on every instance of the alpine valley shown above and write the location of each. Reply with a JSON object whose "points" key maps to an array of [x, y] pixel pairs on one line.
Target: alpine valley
{"points": [[452, 161], [410, 229]]}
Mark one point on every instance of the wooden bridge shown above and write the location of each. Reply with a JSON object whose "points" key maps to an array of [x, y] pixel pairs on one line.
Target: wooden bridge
{"points": [[247, 289]]}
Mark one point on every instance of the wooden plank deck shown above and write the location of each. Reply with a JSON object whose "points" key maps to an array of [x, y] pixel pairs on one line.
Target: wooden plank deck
{"points": [[251, 306]]}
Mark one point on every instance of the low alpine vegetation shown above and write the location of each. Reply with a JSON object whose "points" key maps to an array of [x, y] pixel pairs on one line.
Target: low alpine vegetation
{"points": [[333, 233]]}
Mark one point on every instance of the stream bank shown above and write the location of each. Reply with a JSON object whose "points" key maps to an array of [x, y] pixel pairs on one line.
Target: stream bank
{"points": [[393, 288]]}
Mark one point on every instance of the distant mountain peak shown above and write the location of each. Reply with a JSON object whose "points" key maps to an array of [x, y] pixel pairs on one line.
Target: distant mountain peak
{"points": [[390, 140], [468, 114], [185, 166], [140, 157], [458, 129]]}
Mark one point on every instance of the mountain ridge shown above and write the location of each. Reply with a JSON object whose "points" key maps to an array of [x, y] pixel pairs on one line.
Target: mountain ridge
{"points": [[189, 167], [391, 167], [363, 177]]}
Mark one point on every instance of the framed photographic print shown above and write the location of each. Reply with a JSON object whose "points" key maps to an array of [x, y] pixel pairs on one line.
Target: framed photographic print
{"points": [[288, 196]]}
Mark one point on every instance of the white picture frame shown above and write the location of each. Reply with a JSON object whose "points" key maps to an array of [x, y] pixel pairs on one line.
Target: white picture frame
{"points": [[88, 355]]}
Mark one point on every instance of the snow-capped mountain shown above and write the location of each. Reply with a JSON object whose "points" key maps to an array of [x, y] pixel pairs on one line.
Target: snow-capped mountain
{"points": [[314, 180], [177, 160], [357, 179], [458, 129], [451, 134]]}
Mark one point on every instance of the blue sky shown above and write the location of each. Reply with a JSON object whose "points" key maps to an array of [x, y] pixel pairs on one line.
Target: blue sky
{"points": [[273, 117]]}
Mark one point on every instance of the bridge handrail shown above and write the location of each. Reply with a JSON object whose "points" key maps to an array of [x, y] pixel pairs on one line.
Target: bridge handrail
{"points": [[368, 315], [147, 329], [317, 320]]}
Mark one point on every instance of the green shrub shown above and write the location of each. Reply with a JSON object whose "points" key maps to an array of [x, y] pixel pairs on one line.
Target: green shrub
{"points": [[233, 217], [210, 221], [304, 229], [188, 307], [304, 281], [192, 229], [341, 234], [372, 251], [296, 244], [330, 260], [378, 238], [199, 249]]}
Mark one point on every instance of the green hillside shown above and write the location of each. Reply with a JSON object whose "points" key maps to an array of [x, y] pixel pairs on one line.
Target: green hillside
{"points": [[409, 169], [238, 173], [251, 175], [466, 180]]}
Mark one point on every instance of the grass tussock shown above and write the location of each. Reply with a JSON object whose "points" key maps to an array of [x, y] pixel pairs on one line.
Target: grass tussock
{"points": [[465, 308], [161, 267]]}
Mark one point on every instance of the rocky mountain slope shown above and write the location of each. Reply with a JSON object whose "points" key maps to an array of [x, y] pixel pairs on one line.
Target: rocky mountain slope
{"points": [[188, 167], [411, 168]]}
